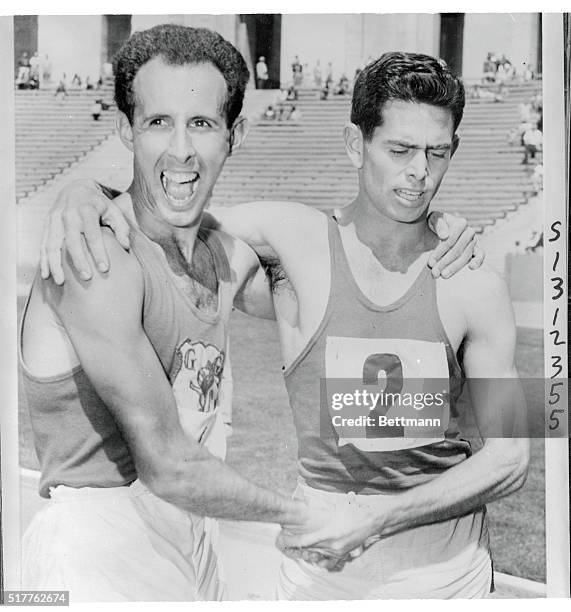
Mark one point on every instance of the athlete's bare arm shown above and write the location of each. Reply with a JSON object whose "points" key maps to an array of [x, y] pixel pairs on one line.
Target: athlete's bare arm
{"points": [[498, 469], [103, 321], [83, 204]]}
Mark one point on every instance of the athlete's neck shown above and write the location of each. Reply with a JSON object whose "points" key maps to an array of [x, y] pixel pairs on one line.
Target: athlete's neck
{"points": [[169, 237], [396, 244]]}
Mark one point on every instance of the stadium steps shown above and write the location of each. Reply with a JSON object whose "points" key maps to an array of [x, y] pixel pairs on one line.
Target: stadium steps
{"points": [[53, 133]]}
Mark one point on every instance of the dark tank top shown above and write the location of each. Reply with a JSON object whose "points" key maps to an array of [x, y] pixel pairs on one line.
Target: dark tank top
{"points": [[76, 437], [401, 349]]}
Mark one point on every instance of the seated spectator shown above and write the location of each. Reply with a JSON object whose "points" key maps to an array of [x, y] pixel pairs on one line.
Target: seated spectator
{"points": [[532, 142], [35, 67], [61, 89], [342, 87], [46, 69], [99, 83], [23, 69], [507, 66], [324, 92], [76, 81], [269, 113], [489, 69], [96, 109], [295, 114], [522, 128], [88, 84], [292, 93]]}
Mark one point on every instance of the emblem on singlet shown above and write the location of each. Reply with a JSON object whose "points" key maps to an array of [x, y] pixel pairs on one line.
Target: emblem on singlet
{"points": [[196, 375]]}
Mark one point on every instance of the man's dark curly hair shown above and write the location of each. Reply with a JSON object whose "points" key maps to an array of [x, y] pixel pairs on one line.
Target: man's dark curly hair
{"points": [[412, 77], [180, 45]]}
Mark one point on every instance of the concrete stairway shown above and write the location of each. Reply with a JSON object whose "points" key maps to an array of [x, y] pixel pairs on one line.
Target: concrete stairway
{"points": [[52, 133], [305, 160]]}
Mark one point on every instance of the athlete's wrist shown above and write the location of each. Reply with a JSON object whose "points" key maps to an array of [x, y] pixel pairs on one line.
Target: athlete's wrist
{"points": [[383, 513]]}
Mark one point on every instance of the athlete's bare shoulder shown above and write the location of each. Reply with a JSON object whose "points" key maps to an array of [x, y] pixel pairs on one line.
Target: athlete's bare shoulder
{"points": [[470, 285], [480, 297]]}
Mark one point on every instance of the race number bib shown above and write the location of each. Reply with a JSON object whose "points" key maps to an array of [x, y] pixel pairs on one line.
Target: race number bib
{"points": [[386, 394]]}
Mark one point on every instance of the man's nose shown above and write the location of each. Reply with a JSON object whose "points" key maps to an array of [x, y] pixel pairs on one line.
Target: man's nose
{"points": [[180, 145], [418, 166]]}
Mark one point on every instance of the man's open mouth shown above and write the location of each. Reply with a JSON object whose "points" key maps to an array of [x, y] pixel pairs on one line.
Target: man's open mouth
{"points": [[410, 196], [179, 187]]}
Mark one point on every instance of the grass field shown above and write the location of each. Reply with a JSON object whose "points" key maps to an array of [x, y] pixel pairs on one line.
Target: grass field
{"points": [[264, 449]]}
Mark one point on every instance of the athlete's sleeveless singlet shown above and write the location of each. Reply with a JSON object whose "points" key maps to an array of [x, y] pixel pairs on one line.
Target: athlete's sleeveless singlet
{"points": [[189, 342], [359, 340], [77, 440]]}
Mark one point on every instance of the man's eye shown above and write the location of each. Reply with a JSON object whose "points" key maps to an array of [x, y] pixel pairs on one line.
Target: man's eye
{"points": [[439, 154], [157, 121], [200, 123], [399, 152]]}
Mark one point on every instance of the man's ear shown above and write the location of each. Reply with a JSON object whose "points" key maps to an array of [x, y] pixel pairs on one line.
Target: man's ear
{"points": [[354, 144], [124, 129], [455, 143], [238, 133]]}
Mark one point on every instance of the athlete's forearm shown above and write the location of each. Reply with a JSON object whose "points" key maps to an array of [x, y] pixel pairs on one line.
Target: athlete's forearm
{"points": [[495, 471], [209, 487]]}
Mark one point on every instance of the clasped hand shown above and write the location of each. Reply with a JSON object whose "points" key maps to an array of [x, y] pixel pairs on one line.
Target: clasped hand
{"points": [[333, 535]]}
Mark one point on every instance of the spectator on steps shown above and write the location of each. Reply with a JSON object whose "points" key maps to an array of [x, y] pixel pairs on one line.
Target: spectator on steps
{"points": [[46, 70], [96, 109], [61, 89], [489, 69], [35, 67], [505, 70], [292, 93], [329, 76], [532, 143], [342, 87], [76, 81], [88, 84], [23, 68], [262, 73], [317, 77], [297, 72]]}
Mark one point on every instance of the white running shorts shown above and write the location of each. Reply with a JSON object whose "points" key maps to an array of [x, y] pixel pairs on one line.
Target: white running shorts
{"points": [[444, 560], [120, 544]]}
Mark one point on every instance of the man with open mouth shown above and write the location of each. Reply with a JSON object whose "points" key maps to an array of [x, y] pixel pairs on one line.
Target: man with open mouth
{"points": [[332, 322]]}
